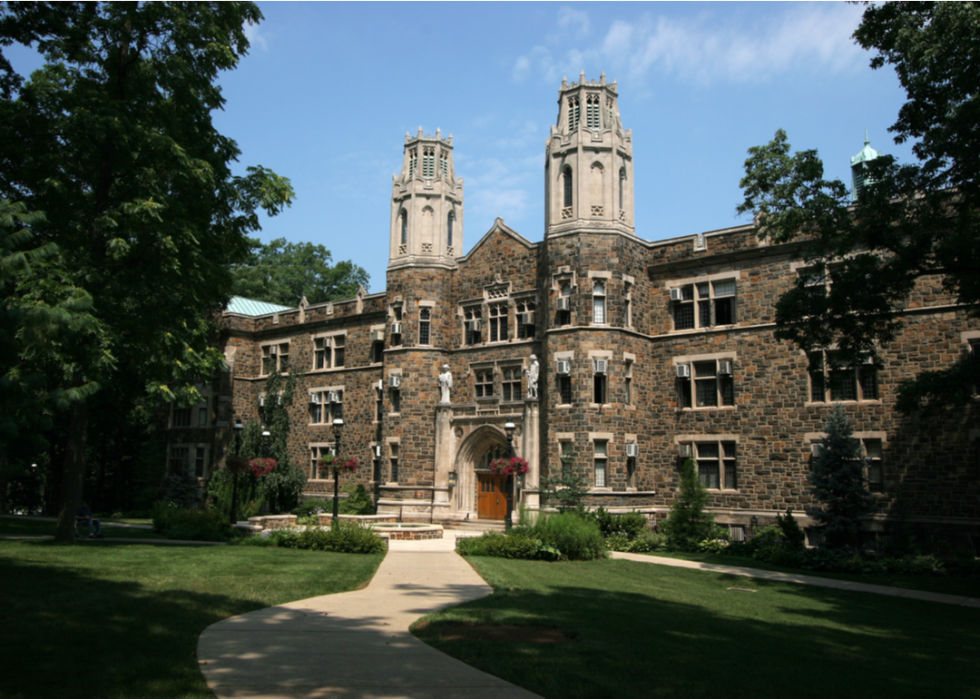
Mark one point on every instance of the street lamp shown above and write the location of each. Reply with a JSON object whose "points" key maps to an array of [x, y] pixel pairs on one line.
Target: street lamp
{"points": [[509, 431], [338, 426], [239, 427]]}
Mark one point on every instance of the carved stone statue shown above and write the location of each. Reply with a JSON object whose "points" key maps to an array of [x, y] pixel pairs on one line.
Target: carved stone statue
{"points": [[445, 383], [533, 371]]}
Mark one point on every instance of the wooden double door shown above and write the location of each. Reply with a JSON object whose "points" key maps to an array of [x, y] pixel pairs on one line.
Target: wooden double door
{"points": [[492, 500]]}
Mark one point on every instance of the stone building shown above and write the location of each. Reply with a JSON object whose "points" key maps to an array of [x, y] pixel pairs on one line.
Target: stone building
{"points": [[647, 352]]}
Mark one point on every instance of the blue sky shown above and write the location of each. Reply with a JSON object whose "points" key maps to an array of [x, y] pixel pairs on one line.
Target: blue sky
{"points": [[328, 91]]}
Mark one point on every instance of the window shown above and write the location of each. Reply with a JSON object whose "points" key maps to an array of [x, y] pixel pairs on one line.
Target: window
{"points": [[179, 459], [181, 417], [396, 400], [631, 472], [190, 458], [396, 337], [511, 383], [599, 301], [275, 358], [628, 381], [377, 352], [316, 452], [472, 330], [564, 384], [404, 218], [326, 405], [444, 168], [428, 163], [628, 306], [599, 381], [564, 315], [716, 465], [498, 322], [203, 417], [393, 463], [875, 475], [565, 456], [832, 379], [573, 115], [622, 186], [328, 352], [975, 357], [483, 382], [525, 320], [425, 317], [413, 161], [705, 305], [592, 105], [567, 178], [709, 385], [601, 462], [449, 228]]}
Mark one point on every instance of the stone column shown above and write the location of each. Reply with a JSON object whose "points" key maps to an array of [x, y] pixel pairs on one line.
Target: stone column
{"points": [[445, 450], [531, 451]]}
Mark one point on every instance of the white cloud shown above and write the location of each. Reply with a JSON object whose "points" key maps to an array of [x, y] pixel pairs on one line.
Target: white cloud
{"points": [[575, 20], [730, 49], [255, 37]]}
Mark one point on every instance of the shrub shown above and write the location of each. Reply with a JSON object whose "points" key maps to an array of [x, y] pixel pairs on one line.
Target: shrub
{"points": [[313, 506], [648, 542], [577, 538], [618, 542], [346, 537], [357, 502], [513, 545], [630, 525], [688, 524], [189, 525], [794, 537]]}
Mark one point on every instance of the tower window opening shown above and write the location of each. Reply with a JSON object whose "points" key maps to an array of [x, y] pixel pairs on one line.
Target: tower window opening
{"points": [[429, 163], [449, 228], [413, 161], [622, 186], [444, 164], [573, 112], [610, 113], [425, 318], [592, 112], [567, 174], [404, 218]]}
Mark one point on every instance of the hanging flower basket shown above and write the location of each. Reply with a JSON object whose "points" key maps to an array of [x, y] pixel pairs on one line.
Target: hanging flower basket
{"points": [[336, 464], [262, 467], [509, 467]]}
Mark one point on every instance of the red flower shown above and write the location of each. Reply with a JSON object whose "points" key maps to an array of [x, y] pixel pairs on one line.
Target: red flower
{"points": [[509, 467], [261, 467], [337, 464]]}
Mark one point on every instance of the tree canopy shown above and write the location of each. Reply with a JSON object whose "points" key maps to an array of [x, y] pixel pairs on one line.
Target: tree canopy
{"points": [[284, 273], [112, 140], [913, 224]]}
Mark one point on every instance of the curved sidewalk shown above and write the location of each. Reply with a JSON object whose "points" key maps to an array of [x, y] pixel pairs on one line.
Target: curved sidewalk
{"points": [[355, 644], [804, 579]]}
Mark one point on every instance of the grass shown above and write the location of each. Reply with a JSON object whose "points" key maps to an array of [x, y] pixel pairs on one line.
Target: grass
{"points": [[24, 526], [966, 586], [643, 630], [122, 620]]}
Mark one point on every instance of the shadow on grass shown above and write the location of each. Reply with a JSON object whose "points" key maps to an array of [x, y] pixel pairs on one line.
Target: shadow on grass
{"points": [[647, 632], [75, 626]]}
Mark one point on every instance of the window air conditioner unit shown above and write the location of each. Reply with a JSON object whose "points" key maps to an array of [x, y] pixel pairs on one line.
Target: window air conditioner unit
{"points": [[632, 450], [599, 365], [527, 318], [315, 398], [725, 367], [377, 336], [685, 450], [333, 397], [564, 367], [261, 401], [396, 328], [563, 303], [394, 381], [273, 349], [676, 294], [683, 371], [867, 358], [473, 326]]}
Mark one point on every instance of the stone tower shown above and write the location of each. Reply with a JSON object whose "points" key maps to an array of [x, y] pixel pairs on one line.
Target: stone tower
{"points": [[859, 168], [589, 162], [426, 205]]}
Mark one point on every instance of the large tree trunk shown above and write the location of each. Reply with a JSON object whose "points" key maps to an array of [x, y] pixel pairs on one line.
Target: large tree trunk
{"points": [[73, 476]]}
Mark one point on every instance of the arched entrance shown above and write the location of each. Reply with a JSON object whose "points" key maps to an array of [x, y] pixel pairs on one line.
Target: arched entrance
{"points": [[480, 493]]}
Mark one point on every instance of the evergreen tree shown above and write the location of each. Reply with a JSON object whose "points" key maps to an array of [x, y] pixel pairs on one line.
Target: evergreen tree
{"points": [[688, 523], [282, 487], [838, 482]]}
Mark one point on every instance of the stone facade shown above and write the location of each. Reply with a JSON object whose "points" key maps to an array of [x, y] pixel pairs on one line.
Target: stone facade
{"points": [[647, 350]]}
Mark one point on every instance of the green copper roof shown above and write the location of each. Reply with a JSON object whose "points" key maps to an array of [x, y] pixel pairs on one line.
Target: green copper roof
{"points": [[250, 307], [867, 153]]}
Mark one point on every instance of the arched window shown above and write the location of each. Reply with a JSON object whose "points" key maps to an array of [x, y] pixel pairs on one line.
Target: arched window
{"points": [[573, 112], [449, 229], [404, 227], [592, 112], [622, 186], [568, 186], [413, 158]]}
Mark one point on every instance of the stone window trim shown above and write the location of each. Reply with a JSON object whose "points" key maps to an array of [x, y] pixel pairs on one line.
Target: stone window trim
{"points": [[324, 412], [631, 462], [468, 313], [195, 455], [265, 348], [196, 415], [378, 358], [497, 291], [865, 378], [724, 389], [726, 463], [498, 322], [971, 346], [394, 453], [600, 378], [330, 347], [877, 440], [317, 450], [601, 443], [600, 290], [511, 372], [703, 296], [629, 361], [394, 394]]}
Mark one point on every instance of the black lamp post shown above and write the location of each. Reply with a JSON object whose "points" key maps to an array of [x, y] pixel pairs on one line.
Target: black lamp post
{"points": [[509, 431], [234, 483], [338, 425]]}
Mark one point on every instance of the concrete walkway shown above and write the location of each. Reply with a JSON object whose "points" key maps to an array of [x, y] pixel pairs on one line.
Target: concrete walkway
{"points": [[804, 579], [356, 644]]}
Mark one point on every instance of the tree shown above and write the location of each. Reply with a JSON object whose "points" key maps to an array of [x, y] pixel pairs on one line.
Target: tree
{"points": [[112, 139], [688, 524], [914, 223], [284, 273], [568, 488], [837, 477]]}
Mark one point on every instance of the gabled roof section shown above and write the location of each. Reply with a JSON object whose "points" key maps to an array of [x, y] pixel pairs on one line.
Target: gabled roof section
{"points": [[498, 227], [251, 307]]}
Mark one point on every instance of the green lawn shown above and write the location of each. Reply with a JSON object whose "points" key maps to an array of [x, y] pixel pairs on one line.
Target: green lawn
{"points": [[122, 620], [644, 630]]}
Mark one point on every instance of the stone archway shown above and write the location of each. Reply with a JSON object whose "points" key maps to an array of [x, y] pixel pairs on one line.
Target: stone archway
{"points": [[474, 454]]}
